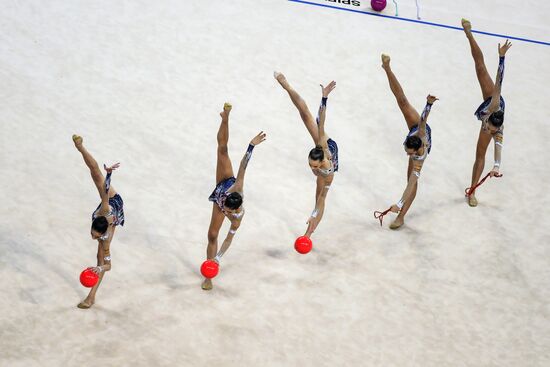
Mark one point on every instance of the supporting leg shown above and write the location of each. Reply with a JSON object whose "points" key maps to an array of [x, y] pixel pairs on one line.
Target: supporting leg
{"points": [[90, 299], [482, 144], [213, 232]]}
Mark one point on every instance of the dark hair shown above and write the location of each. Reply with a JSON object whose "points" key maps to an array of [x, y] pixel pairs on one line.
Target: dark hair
{"points": [[413, 142], [497, 118], [317, 154], [233, 200], [100, 224]]}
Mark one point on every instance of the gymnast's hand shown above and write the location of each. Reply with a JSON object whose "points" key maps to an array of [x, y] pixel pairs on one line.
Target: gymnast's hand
{"points": [[258, 138], [329, 88], [112, 168], [431, 99], [312, 224], [97, 269], [502, 50]]}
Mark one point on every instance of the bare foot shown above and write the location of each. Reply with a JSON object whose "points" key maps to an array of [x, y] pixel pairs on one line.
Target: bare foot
{"points": [[472, 201], [85, 304], [281, 79], [77, 140], [467, 26], [398, 222], [207, 284], [226, 109], [385, 61]]}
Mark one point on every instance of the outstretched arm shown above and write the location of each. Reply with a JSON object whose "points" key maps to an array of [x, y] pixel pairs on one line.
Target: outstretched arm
{"points": [[317, 214], [239, 182], [495, 98], [235, 224], [322, 114], [103, 257], [104, 210], [424, 117], [498, 137], [413, 179]]}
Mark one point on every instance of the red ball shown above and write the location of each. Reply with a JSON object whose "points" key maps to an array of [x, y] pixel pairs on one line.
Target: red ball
{"points": [[303, 244], [209, 269], [88, 278], [378, 5]]}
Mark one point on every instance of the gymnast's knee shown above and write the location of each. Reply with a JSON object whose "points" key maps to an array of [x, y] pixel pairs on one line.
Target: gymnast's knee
{"points": [[480, 159], [222, 149], [212, 238]]}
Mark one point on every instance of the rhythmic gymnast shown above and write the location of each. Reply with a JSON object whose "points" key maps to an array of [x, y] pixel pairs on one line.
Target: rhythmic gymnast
{"points": [[490, 112], [417, 145], [108, 215], [228, 195], [323, 159]]}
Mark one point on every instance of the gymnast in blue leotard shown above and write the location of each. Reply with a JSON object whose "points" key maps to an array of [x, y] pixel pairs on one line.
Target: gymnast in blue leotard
{"points": [[490, 112], [417, 144], [228, 195], [323, 159], [108, 215]]}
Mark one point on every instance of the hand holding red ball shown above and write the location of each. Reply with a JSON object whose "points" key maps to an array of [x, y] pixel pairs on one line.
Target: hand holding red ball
{"points": [[88, 278], [303, 244], [209, 269]]}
